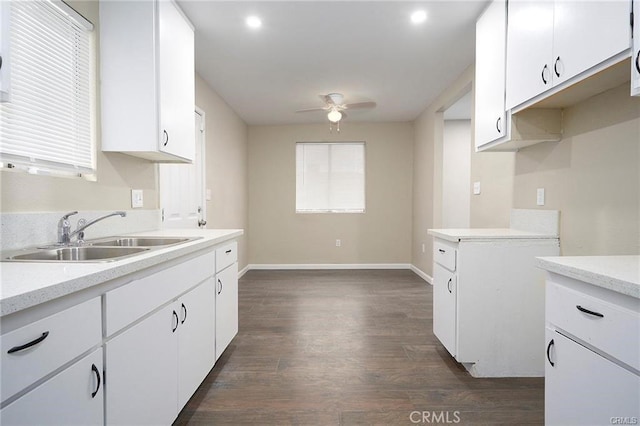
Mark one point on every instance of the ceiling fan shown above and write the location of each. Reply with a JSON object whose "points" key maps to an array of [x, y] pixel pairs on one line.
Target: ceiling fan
{"points": [[335, 107]]}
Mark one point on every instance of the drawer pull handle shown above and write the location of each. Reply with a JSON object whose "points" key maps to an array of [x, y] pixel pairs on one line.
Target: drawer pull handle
{"points": [[220, 282], [95, 370], [173, 330], [587, 311], [28, 345], [449, 285], [548, 355], [441, 251], [184, 318], [166, 138], [228, 251]]}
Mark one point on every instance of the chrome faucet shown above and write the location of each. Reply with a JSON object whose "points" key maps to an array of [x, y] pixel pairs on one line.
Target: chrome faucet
{"points": [[64, 227]]}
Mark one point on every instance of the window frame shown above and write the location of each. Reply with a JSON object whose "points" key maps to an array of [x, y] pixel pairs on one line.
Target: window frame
{"points": [[37, 159], [364, 179]]}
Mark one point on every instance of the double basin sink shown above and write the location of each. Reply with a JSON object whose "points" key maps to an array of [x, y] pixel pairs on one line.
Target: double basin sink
{"points": [[101, 250]]}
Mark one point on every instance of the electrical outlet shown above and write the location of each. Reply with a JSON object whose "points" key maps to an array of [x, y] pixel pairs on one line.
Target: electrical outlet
{"points": [[540, 197], [423, 250], [338, 243], [137, 200]]}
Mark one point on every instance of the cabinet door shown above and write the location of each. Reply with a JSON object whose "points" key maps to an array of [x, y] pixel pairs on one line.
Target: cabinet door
{"points": [[581, 387], [177, 84], [226, 307], [73, 397], [587, 33], [635, 60], [529, 41], [491, 51], [142, 371], [196, 337], [444, 307]]}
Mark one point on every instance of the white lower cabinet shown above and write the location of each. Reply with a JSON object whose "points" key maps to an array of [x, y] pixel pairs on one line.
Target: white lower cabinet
{"points": [[592, 354], [142, 377], [582, 387], [196, 337], [444, 307], [226, 307], [72, 397], [155, 366], [488, 302]]}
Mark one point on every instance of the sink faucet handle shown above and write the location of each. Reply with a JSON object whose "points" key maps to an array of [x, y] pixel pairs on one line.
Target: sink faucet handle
{"points": [[66, 216]]}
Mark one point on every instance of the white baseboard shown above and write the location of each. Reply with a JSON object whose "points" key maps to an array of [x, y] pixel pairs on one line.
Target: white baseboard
{"points": [[243, 271], [268, 266], [422, 274]]}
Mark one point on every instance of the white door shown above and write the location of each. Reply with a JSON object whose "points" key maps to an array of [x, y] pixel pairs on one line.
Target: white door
{"points": [[182, 187]]}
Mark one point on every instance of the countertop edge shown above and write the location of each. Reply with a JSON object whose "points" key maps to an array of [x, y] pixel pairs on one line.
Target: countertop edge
{"points": [[603, 280], [113, 270]]}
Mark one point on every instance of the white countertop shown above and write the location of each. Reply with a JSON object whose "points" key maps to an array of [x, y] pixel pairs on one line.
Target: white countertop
{"points": [[618, 273], [26, 284], [456, 235]]}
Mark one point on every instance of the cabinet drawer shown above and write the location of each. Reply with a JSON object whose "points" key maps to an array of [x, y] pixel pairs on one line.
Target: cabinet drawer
{"points": [[226, 255], [445, 255], [62, 337], [126, 304], [601, 324]]}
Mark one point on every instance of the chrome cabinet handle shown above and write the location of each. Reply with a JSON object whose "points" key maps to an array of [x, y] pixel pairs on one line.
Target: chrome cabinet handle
{"points": [[638, 61], [555, 67], [549, 350], [220, 282], [498, 122], [544, 70], [175, 315], [184, 318], [166, 138], [449, 285]]}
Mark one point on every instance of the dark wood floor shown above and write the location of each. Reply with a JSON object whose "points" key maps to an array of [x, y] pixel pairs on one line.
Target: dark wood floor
{"points": [[348, 347]]}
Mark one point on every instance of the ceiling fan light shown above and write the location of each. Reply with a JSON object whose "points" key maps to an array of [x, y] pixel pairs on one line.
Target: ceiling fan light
{"points": [[334, 116]]}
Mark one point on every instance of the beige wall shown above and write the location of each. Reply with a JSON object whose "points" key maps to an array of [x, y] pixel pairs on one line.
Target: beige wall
{"points": [[226, 164], [117, 173], [592, 175], [381, 235]]}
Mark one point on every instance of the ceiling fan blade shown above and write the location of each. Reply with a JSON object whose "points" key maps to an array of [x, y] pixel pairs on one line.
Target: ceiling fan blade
{"points": [[311, 110], [360, 105]]}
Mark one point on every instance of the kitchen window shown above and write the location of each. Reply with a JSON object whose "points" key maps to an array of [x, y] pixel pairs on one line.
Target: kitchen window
{"points": [[330, 177], [47, 113]]}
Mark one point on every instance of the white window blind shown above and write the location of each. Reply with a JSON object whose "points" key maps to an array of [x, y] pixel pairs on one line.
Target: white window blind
{"points": [[47, 126], [330, 177]]}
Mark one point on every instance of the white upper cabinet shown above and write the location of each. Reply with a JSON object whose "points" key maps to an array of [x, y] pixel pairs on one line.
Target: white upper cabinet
{"points": [[147, 80], [635, 58], [491, 50], [549, 43]]}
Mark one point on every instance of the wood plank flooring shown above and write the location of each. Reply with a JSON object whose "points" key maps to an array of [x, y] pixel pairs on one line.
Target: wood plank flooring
{"points": [[348, 348]]}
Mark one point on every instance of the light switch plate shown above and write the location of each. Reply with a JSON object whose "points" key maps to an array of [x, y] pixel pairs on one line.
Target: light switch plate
{"points": [[137, 200], [476, 188], [540, 197]]}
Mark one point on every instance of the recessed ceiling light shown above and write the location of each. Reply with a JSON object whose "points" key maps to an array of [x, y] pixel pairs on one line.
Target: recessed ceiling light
{"points": [[253, 22], [418, 17]]}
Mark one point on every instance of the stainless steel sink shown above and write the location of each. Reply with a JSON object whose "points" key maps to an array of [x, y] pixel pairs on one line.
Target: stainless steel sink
{"points": [[78, 254], [139, 241]]}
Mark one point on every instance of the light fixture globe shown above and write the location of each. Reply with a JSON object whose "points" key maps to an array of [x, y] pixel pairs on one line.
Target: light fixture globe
{"points": [[334, 115]]}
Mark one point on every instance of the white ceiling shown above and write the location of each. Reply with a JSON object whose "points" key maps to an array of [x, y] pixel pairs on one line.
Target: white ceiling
{"points": [[366, 50]]}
